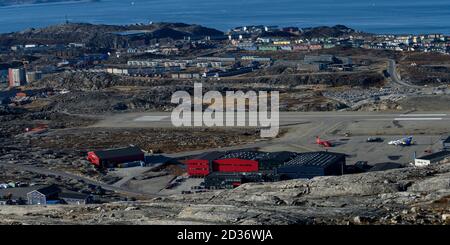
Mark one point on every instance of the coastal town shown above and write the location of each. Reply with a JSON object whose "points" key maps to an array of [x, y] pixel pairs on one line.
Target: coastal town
{"points": [[85, 112], [245, 49]]}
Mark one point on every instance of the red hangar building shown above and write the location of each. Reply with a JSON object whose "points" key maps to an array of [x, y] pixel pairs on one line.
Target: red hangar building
{"points": [[237, 162], [113, 157], [200, 166], [233, 162]]}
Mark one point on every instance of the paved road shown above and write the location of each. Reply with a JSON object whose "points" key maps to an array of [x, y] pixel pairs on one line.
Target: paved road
{"points": [[395, 77], [62, 174]]}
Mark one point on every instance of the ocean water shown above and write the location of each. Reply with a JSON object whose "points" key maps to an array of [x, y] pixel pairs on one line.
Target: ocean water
{"points": [[376, 16]]}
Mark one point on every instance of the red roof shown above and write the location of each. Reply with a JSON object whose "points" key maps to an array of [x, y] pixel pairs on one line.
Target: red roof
{"points": [[235, 165]]}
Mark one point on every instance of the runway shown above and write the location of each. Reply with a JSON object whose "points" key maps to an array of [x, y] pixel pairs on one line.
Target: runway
{"points": [[163, 119], [348, 132]]}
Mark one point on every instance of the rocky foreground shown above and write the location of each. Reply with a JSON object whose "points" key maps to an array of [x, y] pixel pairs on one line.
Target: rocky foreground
{"points": [[401, 196]]}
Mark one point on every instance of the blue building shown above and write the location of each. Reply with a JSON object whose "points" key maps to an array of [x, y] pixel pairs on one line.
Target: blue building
{"points": [[446, 143]]}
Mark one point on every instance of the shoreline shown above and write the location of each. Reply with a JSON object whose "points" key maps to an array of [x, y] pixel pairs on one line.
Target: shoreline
{"points": [[219, 29]]}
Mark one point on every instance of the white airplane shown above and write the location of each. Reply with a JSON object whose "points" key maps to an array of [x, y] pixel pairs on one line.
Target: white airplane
{"points": [[407, 141]]}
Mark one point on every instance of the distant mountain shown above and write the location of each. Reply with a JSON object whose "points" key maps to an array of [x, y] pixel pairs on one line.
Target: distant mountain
{"points": [[19, 2]]}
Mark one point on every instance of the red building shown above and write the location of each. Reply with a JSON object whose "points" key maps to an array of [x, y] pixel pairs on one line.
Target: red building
{"points": [[107, 158], [197, 167], [235, 165], [200, 166], [207, 163]]}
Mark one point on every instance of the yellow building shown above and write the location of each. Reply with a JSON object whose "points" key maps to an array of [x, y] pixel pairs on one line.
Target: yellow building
{"points": [[282, 42]]}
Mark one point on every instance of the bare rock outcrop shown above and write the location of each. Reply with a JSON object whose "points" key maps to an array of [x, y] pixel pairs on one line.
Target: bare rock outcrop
{"points": [[400, 196]]}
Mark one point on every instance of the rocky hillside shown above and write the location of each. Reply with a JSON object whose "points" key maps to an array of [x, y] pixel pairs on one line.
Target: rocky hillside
{"points": [[104, 36], [327, 31], [101, 92], [426, 69], [402, 196]]}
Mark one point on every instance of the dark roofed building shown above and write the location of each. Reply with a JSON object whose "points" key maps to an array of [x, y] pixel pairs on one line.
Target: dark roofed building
{"points": [[245, 155], [42, 195], [33, 195], [311, 164], [16, 195], [117, 153], [272, 160], [114, 157], [158, 159]]}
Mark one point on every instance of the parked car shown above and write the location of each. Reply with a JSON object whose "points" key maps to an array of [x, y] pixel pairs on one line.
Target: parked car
{"points": [[171, 185], [20, 184], [374, 139]]}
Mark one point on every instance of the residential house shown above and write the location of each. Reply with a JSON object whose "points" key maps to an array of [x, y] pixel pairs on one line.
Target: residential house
{"points": [[42, 195], [33, 195]]}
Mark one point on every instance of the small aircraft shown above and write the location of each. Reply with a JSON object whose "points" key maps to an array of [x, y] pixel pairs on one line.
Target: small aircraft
{"points": [[407, 141], [324, 143]]}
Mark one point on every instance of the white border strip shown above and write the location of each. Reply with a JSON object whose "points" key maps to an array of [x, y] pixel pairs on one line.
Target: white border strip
{"points": [[418, 119], [423, 115], [150, 118]]}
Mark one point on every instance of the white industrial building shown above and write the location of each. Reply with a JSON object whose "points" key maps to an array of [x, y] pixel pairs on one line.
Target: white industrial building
{"points": [[17, 77], [435, 158]]}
